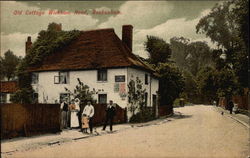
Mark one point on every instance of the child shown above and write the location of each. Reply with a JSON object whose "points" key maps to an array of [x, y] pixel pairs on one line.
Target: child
{"points": [[85, 123]]}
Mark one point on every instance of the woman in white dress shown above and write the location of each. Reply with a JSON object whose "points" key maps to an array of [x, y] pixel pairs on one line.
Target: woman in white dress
{"points": [[74, 109]]}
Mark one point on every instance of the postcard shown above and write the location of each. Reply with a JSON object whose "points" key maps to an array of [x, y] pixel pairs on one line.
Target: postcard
{"points": [[128, 79]]}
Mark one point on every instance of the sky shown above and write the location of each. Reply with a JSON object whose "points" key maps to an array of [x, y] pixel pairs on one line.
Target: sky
{"points": [[165, 19]]}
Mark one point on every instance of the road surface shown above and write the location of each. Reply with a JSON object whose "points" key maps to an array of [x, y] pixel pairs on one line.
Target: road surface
{"points": [[197, 131]]}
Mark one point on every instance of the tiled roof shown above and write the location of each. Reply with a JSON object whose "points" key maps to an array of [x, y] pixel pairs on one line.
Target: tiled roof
{"points": [[92, 50], [8, 86]]}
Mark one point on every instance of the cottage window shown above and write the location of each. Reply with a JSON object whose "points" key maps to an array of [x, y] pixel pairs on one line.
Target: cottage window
{"points": [[102, 98], [34, 78], [63, 78], [146, 79], [3, 97], [102, 75]]}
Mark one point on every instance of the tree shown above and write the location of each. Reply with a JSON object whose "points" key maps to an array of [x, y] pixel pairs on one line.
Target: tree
{"points": [[227, 83], [220, 26], [54, 27], [213, 83], [207, 84], [227, 25], [159, 51], [9, 64], [190, 90], [179, 47], [171, 84], [171, 81], [190, 56], [199, 56], [241, 11], [82, 92]]}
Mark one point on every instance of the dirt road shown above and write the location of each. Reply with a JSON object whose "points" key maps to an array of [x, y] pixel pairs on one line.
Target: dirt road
{"points": [[200, 131]]}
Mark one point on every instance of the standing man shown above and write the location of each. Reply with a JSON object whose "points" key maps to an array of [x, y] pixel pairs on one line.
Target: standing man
{"points": [[89, 111], [110, 113], [230, 106], [64, 112]]}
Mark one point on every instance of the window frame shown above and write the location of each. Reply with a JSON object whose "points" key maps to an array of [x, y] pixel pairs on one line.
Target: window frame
{"points": [[58, 78], [99, 78], [65, 75], [103, 94]]}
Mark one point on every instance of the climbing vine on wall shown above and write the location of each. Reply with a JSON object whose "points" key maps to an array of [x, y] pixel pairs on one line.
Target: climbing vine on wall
{"points": [[136, 95]]}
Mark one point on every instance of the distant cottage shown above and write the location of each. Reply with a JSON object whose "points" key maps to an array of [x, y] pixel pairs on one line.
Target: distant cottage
{"points": [[7, 88], [99, 59]]}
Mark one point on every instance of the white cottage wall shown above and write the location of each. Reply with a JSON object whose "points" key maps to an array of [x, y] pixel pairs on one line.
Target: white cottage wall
{"points": [[151, 87], [49, 92]]}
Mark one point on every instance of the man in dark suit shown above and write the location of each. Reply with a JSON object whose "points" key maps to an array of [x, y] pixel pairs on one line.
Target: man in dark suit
{"points": [[110, 113], [230, 106]]}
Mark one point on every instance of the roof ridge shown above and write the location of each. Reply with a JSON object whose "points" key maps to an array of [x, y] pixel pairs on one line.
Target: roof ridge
{"points": [[102, 29]]}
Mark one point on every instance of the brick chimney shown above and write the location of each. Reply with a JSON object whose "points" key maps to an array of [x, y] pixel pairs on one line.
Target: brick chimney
{"points": [[127, 35], [28, 45], [59, 27]]}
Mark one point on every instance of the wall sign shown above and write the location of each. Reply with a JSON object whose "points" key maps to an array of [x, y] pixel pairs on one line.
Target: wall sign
{"points": [[120, 78]]}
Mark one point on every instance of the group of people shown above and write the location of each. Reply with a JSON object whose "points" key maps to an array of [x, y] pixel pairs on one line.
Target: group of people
{"points": [[73, 117]]}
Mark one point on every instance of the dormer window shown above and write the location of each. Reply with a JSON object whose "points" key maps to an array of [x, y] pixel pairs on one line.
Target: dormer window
{"points": [[102, 75]]}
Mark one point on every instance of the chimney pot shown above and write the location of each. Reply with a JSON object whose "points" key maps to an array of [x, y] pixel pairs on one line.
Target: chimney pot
{"points": [[28, 45], [29, 39], [127, 35]]}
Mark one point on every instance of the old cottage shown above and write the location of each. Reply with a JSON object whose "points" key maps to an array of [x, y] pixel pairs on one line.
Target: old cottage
{"points": [[100, 59]]}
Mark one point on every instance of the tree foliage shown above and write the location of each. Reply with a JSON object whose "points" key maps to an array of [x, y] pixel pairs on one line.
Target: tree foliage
{"points": [[214, 83], [9, 64], [190, 56], [159, 51], [83, 93], [190, 92], [171, 83], [227, 25]]}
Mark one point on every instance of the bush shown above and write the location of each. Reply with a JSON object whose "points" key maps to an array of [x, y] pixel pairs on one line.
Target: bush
{"points": [[145, 115]]}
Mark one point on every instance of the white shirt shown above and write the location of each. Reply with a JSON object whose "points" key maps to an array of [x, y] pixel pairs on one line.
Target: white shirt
{"points": [[62, 104], [89, 110]]}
